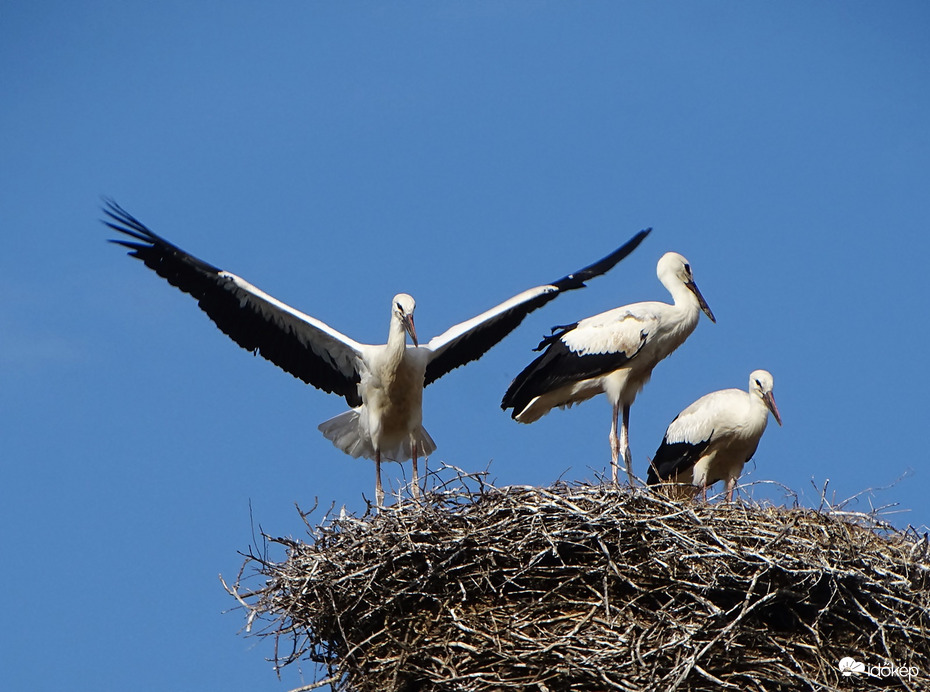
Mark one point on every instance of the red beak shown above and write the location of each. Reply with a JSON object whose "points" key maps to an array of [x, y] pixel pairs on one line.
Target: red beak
{"points": [[411, 330]]}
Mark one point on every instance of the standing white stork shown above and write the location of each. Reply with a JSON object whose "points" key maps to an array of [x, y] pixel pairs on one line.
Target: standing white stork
{"points": [[714, 437], [613, 352], [382, 383]]}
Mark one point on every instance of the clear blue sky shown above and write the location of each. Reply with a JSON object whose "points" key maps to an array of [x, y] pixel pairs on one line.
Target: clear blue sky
{"points": [[337, 153]]}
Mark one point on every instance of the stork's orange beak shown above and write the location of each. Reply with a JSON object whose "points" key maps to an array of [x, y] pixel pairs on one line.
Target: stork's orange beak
{"points": [[769, 400], [411, 329], [703, 303]]}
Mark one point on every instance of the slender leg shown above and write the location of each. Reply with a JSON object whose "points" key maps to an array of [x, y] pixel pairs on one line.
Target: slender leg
{"points": [[731, 486], [379, 493], [614, 444], [416, 472], [625, 443]]}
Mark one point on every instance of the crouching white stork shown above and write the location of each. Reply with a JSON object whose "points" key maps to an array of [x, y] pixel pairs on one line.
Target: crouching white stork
{"points": [[713, 438], [382, 383], [613, 352]]}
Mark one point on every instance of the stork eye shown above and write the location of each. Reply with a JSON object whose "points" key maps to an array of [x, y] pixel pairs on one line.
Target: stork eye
{"points": [[759, 384], [399, 307]]}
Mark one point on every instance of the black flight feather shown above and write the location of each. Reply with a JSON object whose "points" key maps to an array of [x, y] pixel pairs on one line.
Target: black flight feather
{"points": [[247, 320], [673, 458], [479, 341]]}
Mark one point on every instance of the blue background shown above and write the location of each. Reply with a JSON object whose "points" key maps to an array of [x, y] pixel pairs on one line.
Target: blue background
{"points": [[337, 153]]}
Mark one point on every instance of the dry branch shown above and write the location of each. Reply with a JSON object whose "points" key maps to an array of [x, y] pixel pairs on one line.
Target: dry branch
{"points": [[594, 588]]}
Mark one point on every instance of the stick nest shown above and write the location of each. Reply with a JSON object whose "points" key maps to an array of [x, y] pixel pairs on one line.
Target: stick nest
{"points": [[591, 587]]}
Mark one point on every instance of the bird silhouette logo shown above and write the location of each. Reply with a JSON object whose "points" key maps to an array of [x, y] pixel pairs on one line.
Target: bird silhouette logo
{"points": [[850, 666]]}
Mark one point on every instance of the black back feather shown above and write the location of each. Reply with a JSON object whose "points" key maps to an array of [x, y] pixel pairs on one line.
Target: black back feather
{"points": [[674, 458], [556, 367]]}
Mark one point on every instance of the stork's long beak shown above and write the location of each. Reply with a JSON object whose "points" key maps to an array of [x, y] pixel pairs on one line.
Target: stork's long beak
{"points": [[703, 303], [769, 400], [410, 329]]}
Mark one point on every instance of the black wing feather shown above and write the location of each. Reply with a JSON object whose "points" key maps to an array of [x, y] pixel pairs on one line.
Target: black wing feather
{"points": [[558, 366], [602, 266], [231, 309], [674, 458], [476, 342]]}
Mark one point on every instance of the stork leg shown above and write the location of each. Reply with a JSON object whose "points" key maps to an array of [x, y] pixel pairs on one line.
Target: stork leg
{"points": [[614, 444], [731, 486], [416, 472], [379, 493], [625, 442]]}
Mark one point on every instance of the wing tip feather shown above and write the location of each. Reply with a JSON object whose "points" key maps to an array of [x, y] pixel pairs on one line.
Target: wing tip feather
{"points": [[576, 279]]}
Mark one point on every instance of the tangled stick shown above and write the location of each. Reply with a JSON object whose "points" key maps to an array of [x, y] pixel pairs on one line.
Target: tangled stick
{"points": [[592, 587]]}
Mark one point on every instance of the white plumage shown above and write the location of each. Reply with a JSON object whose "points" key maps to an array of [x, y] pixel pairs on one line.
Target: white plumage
{"points": [[714, 437], [613, 352], [382, 383]]}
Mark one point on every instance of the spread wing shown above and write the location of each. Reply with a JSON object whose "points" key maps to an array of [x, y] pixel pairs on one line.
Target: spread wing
{"points": [[297, 343], [473, 338]]}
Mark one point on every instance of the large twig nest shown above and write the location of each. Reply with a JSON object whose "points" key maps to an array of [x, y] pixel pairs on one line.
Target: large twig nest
{"points": [[596, 588]]}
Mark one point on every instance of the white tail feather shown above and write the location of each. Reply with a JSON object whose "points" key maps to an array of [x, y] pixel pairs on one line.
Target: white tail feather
{"points": [[349, 432]]}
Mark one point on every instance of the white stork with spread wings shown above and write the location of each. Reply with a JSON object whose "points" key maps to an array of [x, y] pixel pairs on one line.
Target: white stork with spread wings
{"points": [[714, 437], [613, 352], [383, 384]]}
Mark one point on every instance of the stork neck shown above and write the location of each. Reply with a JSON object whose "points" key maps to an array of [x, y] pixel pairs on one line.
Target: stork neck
{"points": [[759, 405], [760, 410], [684, 300], [687, 309], [397, 340]]}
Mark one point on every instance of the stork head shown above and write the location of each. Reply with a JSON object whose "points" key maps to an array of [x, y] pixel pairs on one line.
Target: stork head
{"points": [[402, 310], [675, 269], [761, 383]]}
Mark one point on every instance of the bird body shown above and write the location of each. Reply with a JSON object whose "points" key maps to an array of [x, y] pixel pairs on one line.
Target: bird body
{"points": [[389, 420], [613, 353], [713, 438], [383, 384]]}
